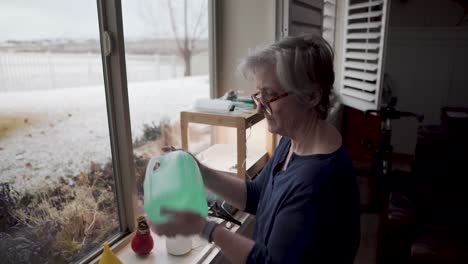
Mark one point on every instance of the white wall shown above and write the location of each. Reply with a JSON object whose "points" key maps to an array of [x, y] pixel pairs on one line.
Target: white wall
{"points": [[242, 25], [427, 58]]}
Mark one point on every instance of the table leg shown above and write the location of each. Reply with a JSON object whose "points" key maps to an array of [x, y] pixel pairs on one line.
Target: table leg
{"points": [[241, 151]]}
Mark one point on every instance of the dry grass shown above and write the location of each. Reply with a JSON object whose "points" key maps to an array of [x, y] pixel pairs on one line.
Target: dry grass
{"points": [[72, 217], [11, 124], [83, 215]]}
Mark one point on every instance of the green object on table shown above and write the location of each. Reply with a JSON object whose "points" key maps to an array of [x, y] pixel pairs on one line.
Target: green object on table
{"points": [[177, 184]]}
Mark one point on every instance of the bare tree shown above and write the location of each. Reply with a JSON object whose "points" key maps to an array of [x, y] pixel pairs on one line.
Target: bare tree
{"points": [[187, 25]]}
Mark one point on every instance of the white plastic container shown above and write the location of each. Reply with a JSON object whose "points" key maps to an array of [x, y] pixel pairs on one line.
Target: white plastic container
{"points": [[178, 245]]}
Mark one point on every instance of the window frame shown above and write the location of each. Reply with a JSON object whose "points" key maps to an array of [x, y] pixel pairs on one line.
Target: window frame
{"points": [[213, 20], [115, 83]]}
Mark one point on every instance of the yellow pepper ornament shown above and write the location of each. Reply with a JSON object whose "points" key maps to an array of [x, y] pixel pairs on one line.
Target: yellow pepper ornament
{"points": [[108, 257]]}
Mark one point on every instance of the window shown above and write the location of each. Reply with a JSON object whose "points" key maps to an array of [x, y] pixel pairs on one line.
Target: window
{"points": [[167, 61], [57, 185], [67, 176], [70, 166]]}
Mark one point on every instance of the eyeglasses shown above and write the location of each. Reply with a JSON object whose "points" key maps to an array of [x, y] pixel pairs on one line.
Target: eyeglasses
{"points": [[265, 103]]}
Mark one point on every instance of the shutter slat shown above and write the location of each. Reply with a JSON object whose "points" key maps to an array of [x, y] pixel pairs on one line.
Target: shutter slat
{"points": [[361, 75], [363, 5], [364, 15], [365, 25], [361, 65], [363, 35], [358, 94], [363, 46], [362, 56], [318, 4], [369, 87]]}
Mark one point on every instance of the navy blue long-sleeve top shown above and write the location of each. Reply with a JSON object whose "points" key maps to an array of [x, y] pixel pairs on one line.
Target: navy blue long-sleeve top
{"points": [[308, 213]]}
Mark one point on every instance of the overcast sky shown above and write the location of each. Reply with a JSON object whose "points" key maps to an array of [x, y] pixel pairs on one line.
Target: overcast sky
{"points": [[77, 19]]}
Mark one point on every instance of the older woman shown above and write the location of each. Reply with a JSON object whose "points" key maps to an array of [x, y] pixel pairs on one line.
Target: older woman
{"points": [[305, 200]]}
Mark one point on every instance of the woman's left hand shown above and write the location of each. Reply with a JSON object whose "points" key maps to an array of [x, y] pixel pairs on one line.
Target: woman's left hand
{"points": [[183, 223]]}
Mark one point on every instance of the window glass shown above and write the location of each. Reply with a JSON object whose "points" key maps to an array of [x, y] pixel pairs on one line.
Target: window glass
{"points": [[167, 59], [57, 200]]}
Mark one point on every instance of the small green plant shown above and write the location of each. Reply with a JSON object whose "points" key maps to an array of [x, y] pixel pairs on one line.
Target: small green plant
{"points": [[154, 132], [151, 132]]}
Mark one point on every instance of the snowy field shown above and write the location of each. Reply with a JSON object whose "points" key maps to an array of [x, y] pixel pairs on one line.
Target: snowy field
{"points": [[46, 134]]}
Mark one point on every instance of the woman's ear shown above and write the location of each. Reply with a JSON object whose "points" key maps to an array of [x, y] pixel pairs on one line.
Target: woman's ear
{"points": [[314, 99]]}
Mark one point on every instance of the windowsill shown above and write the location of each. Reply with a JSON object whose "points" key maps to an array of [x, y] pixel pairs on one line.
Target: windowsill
{"points": [[202, 252]]}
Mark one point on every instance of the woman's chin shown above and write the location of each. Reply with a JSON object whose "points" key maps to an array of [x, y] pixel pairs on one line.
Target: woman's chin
{"points": [[272, 128]]}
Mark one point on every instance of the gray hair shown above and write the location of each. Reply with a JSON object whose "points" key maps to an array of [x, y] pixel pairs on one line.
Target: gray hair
{"points": [[304, 67]]}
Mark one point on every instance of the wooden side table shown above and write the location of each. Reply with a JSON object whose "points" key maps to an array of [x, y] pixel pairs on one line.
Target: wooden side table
{"points": [[221, 156]]}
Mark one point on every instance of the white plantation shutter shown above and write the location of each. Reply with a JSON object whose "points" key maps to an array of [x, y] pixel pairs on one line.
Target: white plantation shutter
{"points": [[329, 18], [301, 16], [363, 57]]}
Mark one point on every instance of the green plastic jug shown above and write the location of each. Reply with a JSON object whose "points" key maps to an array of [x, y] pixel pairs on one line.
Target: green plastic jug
{"points": [[177, 184]]}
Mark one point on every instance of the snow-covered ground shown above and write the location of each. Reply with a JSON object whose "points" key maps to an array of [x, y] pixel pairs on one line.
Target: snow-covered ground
{"points": [[60, 132]]}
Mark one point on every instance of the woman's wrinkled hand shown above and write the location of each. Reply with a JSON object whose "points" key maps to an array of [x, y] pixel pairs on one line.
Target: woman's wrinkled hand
{"points": [[183, 223]]}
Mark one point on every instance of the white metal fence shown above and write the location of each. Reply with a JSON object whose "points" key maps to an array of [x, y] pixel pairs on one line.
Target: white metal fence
{"points": [[22, 71]]}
